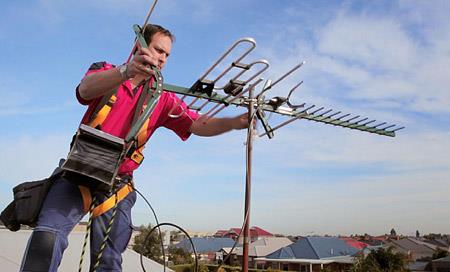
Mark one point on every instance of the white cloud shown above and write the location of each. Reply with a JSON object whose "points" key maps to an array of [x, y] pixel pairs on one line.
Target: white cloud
{"points": [[377, 57], [379, 43]]}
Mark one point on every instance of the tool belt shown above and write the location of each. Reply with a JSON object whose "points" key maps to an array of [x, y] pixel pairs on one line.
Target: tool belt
{"points": [[28, 199]]}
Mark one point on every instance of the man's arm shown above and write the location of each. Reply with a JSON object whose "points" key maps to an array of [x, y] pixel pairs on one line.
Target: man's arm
{"points": [[216, 126], [98, 84]]}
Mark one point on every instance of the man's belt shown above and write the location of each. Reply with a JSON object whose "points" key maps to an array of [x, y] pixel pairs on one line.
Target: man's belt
{"points": [[105, 205]]}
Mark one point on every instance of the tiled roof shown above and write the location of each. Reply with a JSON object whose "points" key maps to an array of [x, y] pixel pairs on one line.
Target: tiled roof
{"points": [[264, 246], [315, 248], [205, 244], [356, 244], [254, 232], [257, 232]]}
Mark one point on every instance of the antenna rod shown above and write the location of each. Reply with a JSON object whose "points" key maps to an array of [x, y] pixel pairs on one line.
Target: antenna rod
{"points": [[142, 29], [248, 181]]}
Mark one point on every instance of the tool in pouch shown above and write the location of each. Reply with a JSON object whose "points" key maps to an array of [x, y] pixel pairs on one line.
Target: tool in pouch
{"points": [[97, 154]]}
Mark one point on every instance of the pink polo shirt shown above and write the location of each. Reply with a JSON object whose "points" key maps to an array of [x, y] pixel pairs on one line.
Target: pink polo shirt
{"points": [[118, 122]]}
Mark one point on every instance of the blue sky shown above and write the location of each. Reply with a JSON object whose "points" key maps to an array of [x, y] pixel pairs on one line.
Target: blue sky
{"points": [[386, 60]]}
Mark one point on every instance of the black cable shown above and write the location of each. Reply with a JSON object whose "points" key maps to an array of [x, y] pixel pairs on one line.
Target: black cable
{"points": [[158, 226], [159, 230], [235, 243], [178, 227]]}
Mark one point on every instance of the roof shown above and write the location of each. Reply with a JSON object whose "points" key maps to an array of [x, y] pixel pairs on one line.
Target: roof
{"points": [[264, 246], [205, 244], [410, 244], [417, 266], [439, 242], [13, 246], [256, 231], [442, 260], [235, 230], [314, 248], [354, 243], [220, 233]]}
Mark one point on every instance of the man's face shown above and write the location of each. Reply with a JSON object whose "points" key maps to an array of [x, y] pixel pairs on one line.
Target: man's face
{"points": [[160, 47]]}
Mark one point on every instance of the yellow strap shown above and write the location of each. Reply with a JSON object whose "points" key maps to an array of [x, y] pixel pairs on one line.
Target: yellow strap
{"points": [[103, 112], [87, 198], [142, 134], [107, 204], [141, 137]]}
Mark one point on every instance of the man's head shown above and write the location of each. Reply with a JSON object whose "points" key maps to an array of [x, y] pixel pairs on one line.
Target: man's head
{"points": [[159, 42], [150, 30]]}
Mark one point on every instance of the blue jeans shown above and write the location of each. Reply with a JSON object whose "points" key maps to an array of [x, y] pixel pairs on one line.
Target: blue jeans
{"points": [[63, 209]]}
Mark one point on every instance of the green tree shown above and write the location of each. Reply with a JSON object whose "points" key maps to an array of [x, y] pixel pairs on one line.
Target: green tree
{"points": [[180, 256], [149, 246], [393, 232], [381, 260], [439, 253]]}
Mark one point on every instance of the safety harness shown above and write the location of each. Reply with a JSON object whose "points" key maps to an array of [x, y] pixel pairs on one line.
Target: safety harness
{"points": [[97, 118]]}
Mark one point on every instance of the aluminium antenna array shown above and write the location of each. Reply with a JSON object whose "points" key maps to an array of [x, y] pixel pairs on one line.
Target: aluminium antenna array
{"points": [[234, 91]]}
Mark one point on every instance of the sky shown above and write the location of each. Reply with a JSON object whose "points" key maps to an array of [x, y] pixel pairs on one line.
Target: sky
{"points": [[385, 60]]}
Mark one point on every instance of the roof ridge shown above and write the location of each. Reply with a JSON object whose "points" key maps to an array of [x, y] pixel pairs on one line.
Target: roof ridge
{"points": [[314, 250]]}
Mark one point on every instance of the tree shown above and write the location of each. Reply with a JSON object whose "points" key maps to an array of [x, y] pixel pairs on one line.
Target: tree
{"points": [[150, 248], [440, 253], [393, 232], [179, 256], [381, 260]]}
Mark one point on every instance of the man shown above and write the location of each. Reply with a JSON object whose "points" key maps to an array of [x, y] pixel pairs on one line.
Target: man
{"points": [[65, 204]]}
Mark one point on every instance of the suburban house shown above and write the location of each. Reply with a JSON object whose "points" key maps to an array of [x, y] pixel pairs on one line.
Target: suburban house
{"points": [[259, 248], [354, 243], [312, 254], [233, 233], [413, 248], [205, 247], [441, 265]]}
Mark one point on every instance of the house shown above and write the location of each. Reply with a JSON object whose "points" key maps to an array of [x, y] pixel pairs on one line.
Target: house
{"points": [[413, 248], [260, 248], [312, 254], [354, 243], [233, 233], [441, 265], [418, 266], [205, 247]]}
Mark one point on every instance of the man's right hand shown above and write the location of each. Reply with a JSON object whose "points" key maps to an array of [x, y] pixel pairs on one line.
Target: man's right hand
{"points": [[141, 64]]}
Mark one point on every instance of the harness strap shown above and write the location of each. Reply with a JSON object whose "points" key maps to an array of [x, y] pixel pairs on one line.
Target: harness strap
{"points": [[103, 109], [87, 197], [137, 156], [107, 204]]}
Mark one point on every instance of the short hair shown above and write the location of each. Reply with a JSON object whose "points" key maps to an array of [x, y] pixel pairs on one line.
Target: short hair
{"points": [[151, 29]]}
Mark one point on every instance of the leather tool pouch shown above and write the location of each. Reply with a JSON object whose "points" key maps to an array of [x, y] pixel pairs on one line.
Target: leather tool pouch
{"points": [[97, 155], [28, 199]]}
